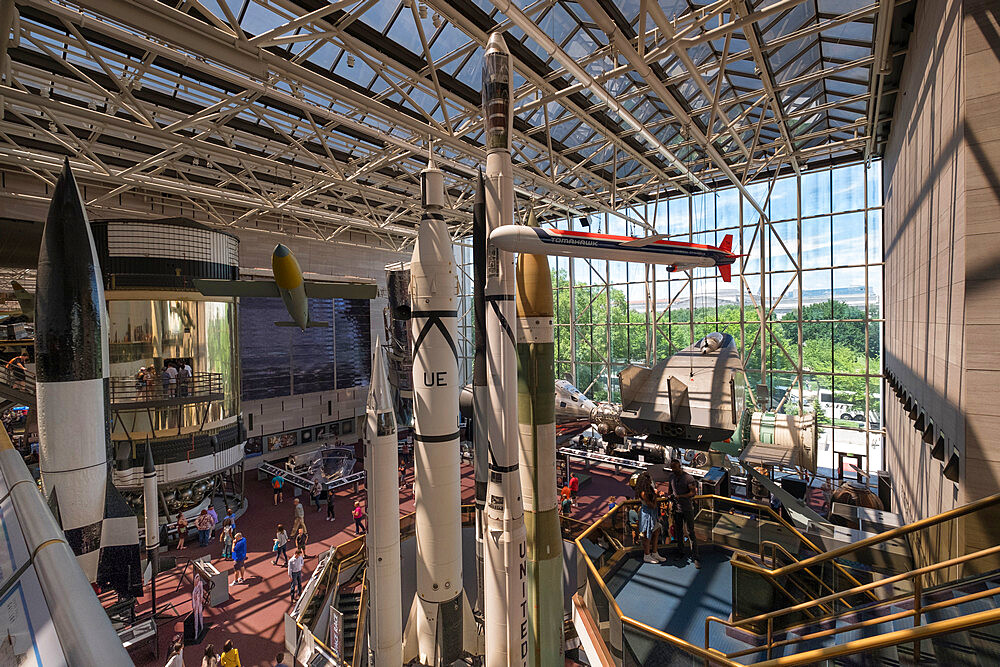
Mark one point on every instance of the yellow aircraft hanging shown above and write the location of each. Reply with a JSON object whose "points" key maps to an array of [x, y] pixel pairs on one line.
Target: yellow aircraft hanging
{"points": [[289, 284]]}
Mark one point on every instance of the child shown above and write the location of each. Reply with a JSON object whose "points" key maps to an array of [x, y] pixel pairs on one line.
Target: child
{"points": [[227, 539]]}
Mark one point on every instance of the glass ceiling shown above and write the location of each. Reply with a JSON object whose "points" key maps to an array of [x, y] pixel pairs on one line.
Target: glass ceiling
{"points": [[315, 117]]}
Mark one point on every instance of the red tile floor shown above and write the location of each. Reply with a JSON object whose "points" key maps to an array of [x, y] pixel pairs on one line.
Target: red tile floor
{"points": [[252, 618]]}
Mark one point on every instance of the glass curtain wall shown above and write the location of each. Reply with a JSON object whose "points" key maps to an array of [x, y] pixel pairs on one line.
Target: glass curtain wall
{"points": [[812, 271]]}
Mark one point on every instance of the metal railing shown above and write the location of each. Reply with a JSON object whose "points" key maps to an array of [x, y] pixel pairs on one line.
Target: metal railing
{"points": [[18, 379], [200, 387], [616, 627]]}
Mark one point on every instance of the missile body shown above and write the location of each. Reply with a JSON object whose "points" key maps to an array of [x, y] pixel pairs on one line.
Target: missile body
{"points": [[480, 393], [439, 608], [678, 255], [382, 539], [537, 439], [149, 503], [505, 542], [71, 366]]}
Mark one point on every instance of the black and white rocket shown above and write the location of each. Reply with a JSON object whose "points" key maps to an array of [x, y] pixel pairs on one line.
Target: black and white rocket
{"points": [[505, 543], [480, 393], [72, 367], [441, 619]]}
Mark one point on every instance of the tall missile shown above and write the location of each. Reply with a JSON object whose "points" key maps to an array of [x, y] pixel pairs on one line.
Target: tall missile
{"points": [[382, 539], [152, 520], [71, 367], [438, 616], [480, 393], [537, 439], [505, 549]]}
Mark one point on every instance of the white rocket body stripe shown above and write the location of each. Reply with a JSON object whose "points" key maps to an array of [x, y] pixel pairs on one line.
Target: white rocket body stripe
{"points": [[151, 508], [506, 539], [382, 540]]}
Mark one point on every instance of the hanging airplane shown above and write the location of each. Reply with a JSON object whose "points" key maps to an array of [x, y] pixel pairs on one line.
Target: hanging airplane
{"points": [[654, 249], [289, 284], [25, 299]]}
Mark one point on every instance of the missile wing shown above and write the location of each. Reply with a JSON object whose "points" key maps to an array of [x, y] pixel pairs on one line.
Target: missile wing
{"points": [[25, 299]]}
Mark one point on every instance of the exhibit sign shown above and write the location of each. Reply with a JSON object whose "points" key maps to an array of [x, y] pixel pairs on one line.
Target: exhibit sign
{"points": [[336, 633]]}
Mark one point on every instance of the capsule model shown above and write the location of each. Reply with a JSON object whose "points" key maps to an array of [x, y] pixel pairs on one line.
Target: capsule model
{"points": [[480, 393], [382, 539], [537, 439], [438, 615], [72, 393], [506, 622]]}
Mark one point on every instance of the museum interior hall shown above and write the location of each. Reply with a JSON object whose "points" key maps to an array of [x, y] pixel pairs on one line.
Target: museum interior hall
{"points": [[499, 333]]}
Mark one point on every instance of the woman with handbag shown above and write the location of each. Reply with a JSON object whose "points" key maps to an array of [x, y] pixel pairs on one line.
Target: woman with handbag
{"points": [[280, 544]]}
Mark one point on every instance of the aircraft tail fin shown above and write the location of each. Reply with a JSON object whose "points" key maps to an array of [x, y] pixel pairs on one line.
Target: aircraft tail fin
{"points": [[727, 243], [725, 270], [310, 325]]}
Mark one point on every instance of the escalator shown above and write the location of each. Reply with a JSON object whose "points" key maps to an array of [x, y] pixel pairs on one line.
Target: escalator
{"points": [[349, 603]]}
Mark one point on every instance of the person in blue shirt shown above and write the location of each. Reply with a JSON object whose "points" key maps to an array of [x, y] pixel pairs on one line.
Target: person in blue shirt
{"points": [[279, 660], [277, 482], [240, 557]]}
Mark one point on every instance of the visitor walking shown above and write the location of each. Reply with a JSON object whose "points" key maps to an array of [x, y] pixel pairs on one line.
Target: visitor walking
{"points": [[358, 514], [227, 539], [301, 537], [215, 520], [231, 516], [277, 484], [281, 544], [182, 530], [315, 492], [295, 565], [176, 657], [300, 516], [331, 510], [230, 656], [239, 558], [204, 525], [574, 488], [211, 658]]}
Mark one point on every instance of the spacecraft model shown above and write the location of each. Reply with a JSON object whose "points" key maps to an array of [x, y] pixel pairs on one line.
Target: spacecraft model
{"points": [[690, 400], [574, 412], [382, 539], [537, 439], [440, 610], [655, 249], [505, 546], [71, 367], [290, 285]]}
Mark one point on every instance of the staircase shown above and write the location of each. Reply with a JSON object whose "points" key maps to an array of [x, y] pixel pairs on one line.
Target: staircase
{"points": [[15, 390], [349, 603]]}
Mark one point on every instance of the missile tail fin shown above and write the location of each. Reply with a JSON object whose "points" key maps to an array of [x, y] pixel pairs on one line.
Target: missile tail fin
{"points": [[727, 243], [312, 325], [725, 270]]}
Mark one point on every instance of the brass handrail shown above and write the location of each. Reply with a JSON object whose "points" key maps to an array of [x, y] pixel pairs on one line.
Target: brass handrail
{"points": [[360, 627], [776, 546], [913, 574], [319, 642], [892, 534]]}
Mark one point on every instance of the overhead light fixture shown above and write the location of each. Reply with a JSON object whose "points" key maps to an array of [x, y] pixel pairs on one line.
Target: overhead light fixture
{"points": [[350, 60], [423, 11], [937, 451], [436, 20], [584, 222]]}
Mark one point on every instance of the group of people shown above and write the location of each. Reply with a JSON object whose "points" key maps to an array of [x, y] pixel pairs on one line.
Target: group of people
{"points": [[230, 656], [568, 494], [176, 377], [682, 488]]}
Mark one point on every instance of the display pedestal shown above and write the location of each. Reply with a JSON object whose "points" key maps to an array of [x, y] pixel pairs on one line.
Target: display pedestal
{"points": [[189, 636]]}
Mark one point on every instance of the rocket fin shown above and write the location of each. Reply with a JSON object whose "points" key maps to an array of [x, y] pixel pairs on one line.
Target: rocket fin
{"points": [[472, 640], [311, 325], [118, 565], [410, 644], [727, 243], [54, 507], [725, 270]]}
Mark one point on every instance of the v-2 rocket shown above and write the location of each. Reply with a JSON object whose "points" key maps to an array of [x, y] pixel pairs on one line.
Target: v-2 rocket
{"points": [[506, 607], [72, 369]]}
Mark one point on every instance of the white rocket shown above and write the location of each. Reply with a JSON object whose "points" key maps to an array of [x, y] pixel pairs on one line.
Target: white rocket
{"points": [[505, 541], [382, 539], [440, 625], [71, 366]]}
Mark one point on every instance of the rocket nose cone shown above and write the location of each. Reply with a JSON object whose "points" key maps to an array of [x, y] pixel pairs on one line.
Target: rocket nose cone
{"points": [[496, 42], [281, 250], [148, 466]]}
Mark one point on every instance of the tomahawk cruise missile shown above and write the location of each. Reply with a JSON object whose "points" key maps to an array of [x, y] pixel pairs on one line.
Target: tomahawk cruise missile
{"points": [[653, 249], [505, 543], [382, 540], [537, 438], [438, 614], [71, 367]]}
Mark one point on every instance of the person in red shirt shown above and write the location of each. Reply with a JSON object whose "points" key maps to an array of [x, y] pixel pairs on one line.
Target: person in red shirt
{"points": [[574, 487]]}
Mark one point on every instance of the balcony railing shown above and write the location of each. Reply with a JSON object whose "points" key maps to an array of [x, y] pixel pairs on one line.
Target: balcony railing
{"points": [[159, 391]]}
